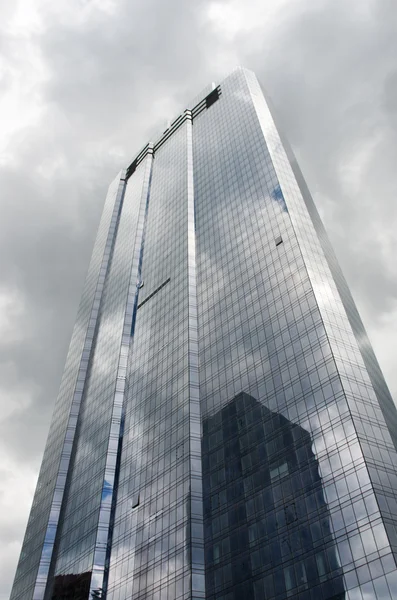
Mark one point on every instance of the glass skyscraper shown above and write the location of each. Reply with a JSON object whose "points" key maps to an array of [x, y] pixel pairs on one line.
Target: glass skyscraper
{"points": [[223, 429]]}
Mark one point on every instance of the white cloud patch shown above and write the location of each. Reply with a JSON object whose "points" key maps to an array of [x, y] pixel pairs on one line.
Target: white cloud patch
{"points": [[11, 309], [18, 485], [232, 19]]}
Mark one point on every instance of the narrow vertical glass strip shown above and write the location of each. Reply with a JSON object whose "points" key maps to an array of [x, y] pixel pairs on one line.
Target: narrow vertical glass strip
{"points": [[139, 282], [48, 546], [196, 491], [109, 487]]}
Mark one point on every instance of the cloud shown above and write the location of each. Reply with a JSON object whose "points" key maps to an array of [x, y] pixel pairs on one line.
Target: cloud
{"points": [[18, 484], [84, 84]]}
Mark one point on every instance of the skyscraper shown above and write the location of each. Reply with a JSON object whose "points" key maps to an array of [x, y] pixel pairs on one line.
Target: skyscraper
{"points": [[223, 429]]}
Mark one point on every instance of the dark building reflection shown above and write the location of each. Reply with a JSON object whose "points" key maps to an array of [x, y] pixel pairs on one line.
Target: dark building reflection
{"points": [[72, 587], [267, 525]]}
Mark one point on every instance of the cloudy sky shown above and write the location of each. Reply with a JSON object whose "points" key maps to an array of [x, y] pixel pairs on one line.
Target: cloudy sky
{"points": [[85, 83]]}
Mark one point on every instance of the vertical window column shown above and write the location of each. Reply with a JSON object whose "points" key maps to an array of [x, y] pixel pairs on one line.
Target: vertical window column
{"points": [[109, 489], [196, 491]]}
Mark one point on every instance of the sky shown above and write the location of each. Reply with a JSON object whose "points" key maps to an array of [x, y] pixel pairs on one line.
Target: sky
{"points": [[84, 84]]}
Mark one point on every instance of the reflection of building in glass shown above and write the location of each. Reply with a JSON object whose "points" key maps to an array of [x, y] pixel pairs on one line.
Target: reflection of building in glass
{"points": [[72, 587], [211, 276], [267, 525]]}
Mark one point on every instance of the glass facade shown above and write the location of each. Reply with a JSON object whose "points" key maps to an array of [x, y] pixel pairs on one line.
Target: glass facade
{"points": [[223, 430]]}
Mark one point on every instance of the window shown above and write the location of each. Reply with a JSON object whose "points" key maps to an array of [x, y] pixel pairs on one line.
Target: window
{"points": [[212, 98], [252, 533], [289, 577], [131, 169], [279, 471], [290, 513], [321, 567], [279, 240], [301, 576]]}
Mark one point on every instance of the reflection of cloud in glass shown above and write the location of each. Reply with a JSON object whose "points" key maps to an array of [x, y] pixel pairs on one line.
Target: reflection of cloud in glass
{"points": [[278, 196], [267, 523]]}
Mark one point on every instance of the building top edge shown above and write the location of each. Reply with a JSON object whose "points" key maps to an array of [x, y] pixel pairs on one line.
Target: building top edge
{"points": [[194, 107]]}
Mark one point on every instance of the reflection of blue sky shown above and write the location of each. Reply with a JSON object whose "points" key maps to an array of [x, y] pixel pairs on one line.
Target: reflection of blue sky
{"points": [[106, 490], [278, 196]]}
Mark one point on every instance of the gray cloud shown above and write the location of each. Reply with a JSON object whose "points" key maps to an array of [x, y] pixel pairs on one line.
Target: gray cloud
{"points": [[93, 81]]}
